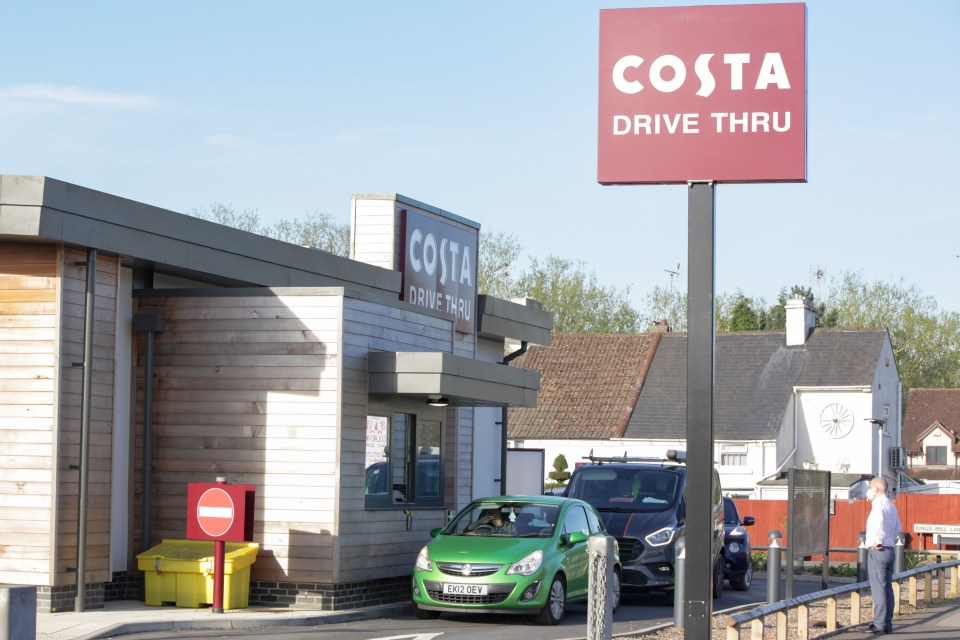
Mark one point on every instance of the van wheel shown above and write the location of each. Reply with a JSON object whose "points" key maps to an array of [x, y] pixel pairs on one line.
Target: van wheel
{"points": [[552, 612], [718, 577], [743, 584]]}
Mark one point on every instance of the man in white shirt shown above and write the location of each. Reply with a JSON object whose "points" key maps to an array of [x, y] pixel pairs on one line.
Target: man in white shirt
{"points": [[883, 525]]}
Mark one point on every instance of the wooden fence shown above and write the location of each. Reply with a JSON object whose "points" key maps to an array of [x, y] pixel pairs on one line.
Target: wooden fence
{"points": [[849, 520], [940, 582]]}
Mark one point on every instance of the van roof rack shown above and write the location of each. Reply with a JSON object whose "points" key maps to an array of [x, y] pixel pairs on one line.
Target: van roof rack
{"points": [[673, 455]]}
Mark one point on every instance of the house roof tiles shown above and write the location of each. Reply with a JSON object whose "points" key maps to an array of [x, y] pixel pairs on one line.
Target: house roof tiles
{"points": [[588, 386], [925, 407], [587, 382], [755, 375]]}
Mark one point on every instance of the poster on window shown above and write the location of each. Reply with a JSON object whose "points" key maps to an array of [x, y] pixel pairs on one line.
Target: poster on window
{"points": [[376, 440]]}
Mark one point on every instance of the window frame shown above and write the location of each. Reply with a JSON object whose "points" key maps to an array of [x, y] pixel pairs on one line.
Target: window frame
{"points": [[734, 450], [936, 450], [403, 461]]}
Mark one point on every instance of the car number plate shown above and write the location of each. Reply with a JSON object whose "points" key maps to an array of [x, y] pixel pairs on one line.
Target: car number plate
{"points": [[464, 589]]}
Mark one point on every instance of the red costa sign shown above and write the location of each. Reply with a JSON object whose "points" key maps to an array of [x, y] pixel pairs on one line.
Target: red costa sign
{"points": [[703, 93]]}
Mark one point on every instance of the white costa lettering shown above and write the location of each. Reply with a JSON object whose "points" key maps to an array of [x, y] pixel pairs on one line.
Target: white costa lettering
{"points": [[771, 71]]}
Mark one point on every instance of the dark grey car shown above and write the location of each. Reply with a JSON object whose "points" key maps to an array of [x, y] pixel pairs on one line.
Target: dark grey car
{"points": [[641, 502]]}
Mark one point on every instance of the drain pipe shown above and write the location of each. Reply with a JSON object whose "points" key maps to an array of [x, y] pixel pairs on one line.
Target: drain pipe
{"points": [[503, 421], [148, 323], [87, 393]]}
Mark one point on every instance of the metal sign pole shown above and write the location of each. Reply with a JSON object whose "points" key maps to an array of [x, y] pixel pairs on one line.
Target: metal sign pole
{"points": [[701, 303], [219, 551]]}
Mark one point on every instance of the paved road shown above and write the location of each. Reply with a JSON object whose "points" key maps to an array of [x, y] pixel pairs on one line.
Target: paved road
{"points": [[637, 612]]}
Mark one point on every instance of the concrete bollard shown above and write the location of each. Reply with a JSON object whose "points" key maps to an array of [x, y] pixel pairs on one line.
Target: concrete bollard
{"points": [[899, 553], [600, 603], [679, 580], [862, 575], [774, 552], [18, 612]]}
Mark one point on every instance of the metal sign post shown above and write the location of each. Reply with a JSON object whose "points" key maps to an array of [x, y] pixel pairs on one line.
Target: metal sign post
{"points": [[701, 302]]}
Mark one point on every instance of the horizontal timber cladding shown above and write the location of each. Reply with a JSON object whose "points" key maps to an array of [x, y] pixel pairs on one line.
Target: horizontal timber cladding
{"points": [[247, 386], [28, 387], [379, 543], [72, 326]]}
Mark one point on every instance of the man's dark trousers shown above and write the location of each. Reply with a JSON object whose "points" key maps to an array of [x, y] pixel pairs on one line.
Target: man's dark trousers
{"points": [[880, 571]]}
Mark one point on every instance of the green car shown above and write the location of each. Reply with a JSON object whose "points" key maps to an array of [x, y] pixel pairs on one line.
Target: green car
{"points": [[510, 554]]}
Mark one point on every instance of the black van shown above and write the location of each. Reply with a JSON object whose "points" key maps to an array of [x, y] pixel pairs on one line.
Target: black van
{"points": [[641, 502]]}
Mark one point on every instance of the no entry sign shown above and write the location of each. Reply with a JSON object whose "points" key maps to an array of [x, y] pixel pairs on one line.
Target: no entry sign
{"points": [[220, 511], [215, 512]]}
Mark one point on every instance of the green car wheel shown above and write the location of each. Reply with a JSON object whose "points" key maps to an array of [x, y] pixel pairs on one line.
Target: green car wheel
{"points": [[552, 612]]}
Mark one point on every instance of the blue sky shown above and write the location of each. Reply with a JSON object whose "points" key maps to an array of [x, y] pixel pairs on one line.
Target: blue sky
{"points": [[487, 110]]}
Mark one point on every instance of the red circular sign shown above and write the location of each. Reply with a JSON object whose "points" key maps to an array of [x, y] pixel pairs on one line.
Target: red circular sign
{"points": [[215, 512]]}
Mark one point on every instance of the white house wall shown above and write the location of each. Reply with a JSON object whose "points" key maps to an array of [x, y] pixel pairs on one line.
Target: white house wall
{"points": [[487, 433], [852, 452], [738, 480], [887, 394]]}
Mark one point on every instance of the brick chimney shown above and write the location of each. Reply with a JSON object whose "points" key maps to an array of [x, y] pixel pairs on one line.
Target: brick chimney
{"points": [[660, 326], [800, 320]]}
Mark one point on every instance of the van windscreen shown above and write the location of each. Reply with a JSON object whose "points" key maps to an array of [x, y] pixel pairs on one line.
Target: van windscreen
{"points": [[627, 489]]}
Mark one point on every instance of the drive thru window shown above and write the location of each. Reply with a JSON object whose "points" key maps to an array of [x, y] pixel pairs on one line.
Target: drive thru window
{"points": [[403, 462]]}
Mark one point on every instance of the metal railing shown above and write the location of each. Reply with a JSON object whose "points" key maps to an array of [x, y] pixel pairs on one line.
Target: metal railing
{"points": [[756, 618]]}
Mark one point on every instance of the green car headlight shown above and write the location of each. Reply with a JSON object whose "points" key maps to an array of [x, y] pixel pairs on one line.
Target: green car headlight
{"points": [[528, 565], [423, 561], [661, 537]]}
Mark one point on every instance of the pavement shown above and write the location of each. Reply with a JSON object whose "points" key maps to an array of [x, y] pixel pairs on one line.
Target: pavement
{"points": [[127, 616], [939, 622]]}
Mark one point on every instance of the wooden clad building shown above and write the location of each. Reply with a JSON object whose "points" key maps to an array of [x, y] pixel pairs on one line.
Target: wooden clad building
{"points": [[218, 353]]}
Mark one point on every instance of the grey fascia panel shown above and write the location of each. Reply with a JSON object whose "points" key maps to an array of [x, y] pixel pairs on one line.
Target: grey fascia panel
{"points": [[85, 217], [499, 319], [424, 373]]}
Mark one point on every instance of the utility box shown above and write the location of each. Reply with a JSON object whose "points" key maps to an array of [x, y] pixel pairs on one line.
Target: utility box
{"points": [[181, 572]]}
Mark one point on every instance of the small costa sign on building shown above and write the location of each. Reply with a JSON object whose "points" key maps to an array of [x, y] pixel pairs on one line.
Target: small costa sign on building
{"points": [[439, 267], [702, 93]]}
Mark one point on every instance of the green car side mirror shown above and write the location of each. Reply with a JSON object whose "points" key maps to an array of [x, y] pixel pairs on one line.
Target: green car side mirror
{"points": [[576, 537], [435, 532]]}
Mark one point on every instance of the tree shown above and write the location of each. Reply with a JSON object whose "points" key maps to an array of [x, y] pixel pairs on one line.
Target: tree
{"points": [[666, 304], [777, 314], [498, 251], [246, 220], [579, 302], [925, 340], [745, 315], [318, 230], [560, 475]]}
